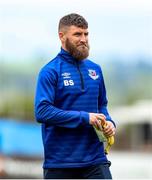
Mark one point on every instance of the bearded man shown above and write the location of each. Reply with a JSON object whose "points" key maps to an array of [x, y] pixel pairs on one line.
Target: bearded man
{"points": [[70, 101]]}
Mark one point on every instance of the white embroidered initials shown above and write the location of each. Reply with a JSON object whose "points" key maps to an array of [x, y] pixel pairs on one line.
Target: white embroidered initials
{"points": [[68, 83]]}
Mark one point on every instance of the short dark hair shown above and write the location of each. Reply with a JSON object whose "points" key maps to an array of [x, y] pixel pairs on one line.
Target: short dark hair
{"points": [[73, 19]]}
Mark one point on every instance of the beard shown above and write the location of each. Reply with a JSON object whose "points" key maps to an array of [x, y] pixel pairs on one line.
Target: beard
{"points": [[79, 52]]}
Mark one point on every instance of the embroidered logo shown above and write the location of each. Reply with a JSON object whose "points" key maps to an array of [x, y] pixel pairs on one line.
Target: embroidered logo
{"points": [[93, 74], [66, 75]]}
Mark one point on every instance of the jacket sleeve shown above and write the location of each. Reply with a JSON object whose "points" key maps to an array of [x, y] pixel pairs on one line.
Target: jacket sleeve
{"points": [[102, 100], [46, 112]]}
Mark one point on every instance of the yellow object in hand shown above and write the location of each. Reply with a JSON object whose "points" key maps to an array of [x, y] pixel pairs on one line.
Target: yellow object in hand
{"points": [[108, 140]]}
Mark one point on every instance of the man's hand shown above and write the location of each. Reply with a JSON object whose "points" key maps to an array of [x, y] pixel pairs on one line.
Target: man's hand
{"points": [[109, 129], [95, 120], [98, 120]]}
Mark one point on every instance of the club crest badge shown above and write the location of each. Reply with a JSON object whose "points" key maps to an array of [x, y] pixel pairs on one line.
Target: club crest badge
{"points": [[93, 74]]}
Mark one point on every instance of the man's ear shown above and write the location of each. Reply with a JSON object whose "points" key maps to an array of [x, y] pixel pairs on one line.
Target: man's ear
{"points": [[62, 36]]}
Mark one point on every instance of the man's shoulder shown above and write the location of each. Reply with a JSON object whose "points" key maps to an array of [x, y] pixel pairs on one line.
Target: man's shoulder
{"points": [[92, 64], [53, 64]]}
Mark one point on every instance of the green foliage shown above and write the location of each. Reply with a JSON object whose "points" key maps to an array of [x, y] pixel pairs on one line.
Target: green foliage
{"points": [[128, 83], [20, 106]]}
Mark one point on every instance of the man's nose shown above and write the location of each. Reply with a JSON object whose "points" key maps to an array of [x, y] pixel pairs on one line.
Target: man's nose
{"points": [[83, 39]]}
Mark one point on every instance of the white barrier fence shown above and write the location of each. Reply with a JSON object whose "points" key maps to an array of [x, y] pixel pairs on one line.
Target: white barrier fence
{"points": [[131, 165], [21, 168]]}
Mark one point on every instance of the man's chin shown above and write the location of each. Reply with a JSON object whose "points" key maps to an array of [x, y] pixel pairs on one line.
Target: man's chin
{"points": [[83, 51], [83, 57]]}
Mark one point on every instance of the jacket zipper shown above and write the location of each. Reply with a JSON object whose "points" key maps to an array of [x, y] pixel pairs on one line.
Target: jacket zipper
{"points": [[81, 77]]}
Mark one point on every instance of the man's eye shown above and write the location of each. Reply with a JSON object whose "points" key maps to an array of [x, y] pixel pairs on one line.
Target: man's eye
{"points": [[77, 34]]}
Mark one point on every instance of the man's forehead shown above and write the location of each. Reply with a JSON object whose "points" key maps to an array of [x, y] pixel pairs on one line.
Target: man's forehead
{"points": [[75, 29]]}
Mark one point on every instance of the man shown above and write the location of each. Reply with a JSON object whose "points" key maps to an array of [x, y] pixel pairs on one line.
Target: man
{"points": [[70, 101]]}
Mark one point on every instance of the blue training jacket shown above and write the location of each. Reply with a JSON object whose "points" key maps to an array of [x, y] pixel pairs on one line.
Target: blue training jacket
{"points": [[67, 90]]}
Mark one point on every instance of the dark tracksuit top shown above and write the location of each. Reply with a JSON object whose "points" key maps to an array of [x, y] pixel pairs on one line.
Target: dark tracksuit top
{"points": [[67, 91]]}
